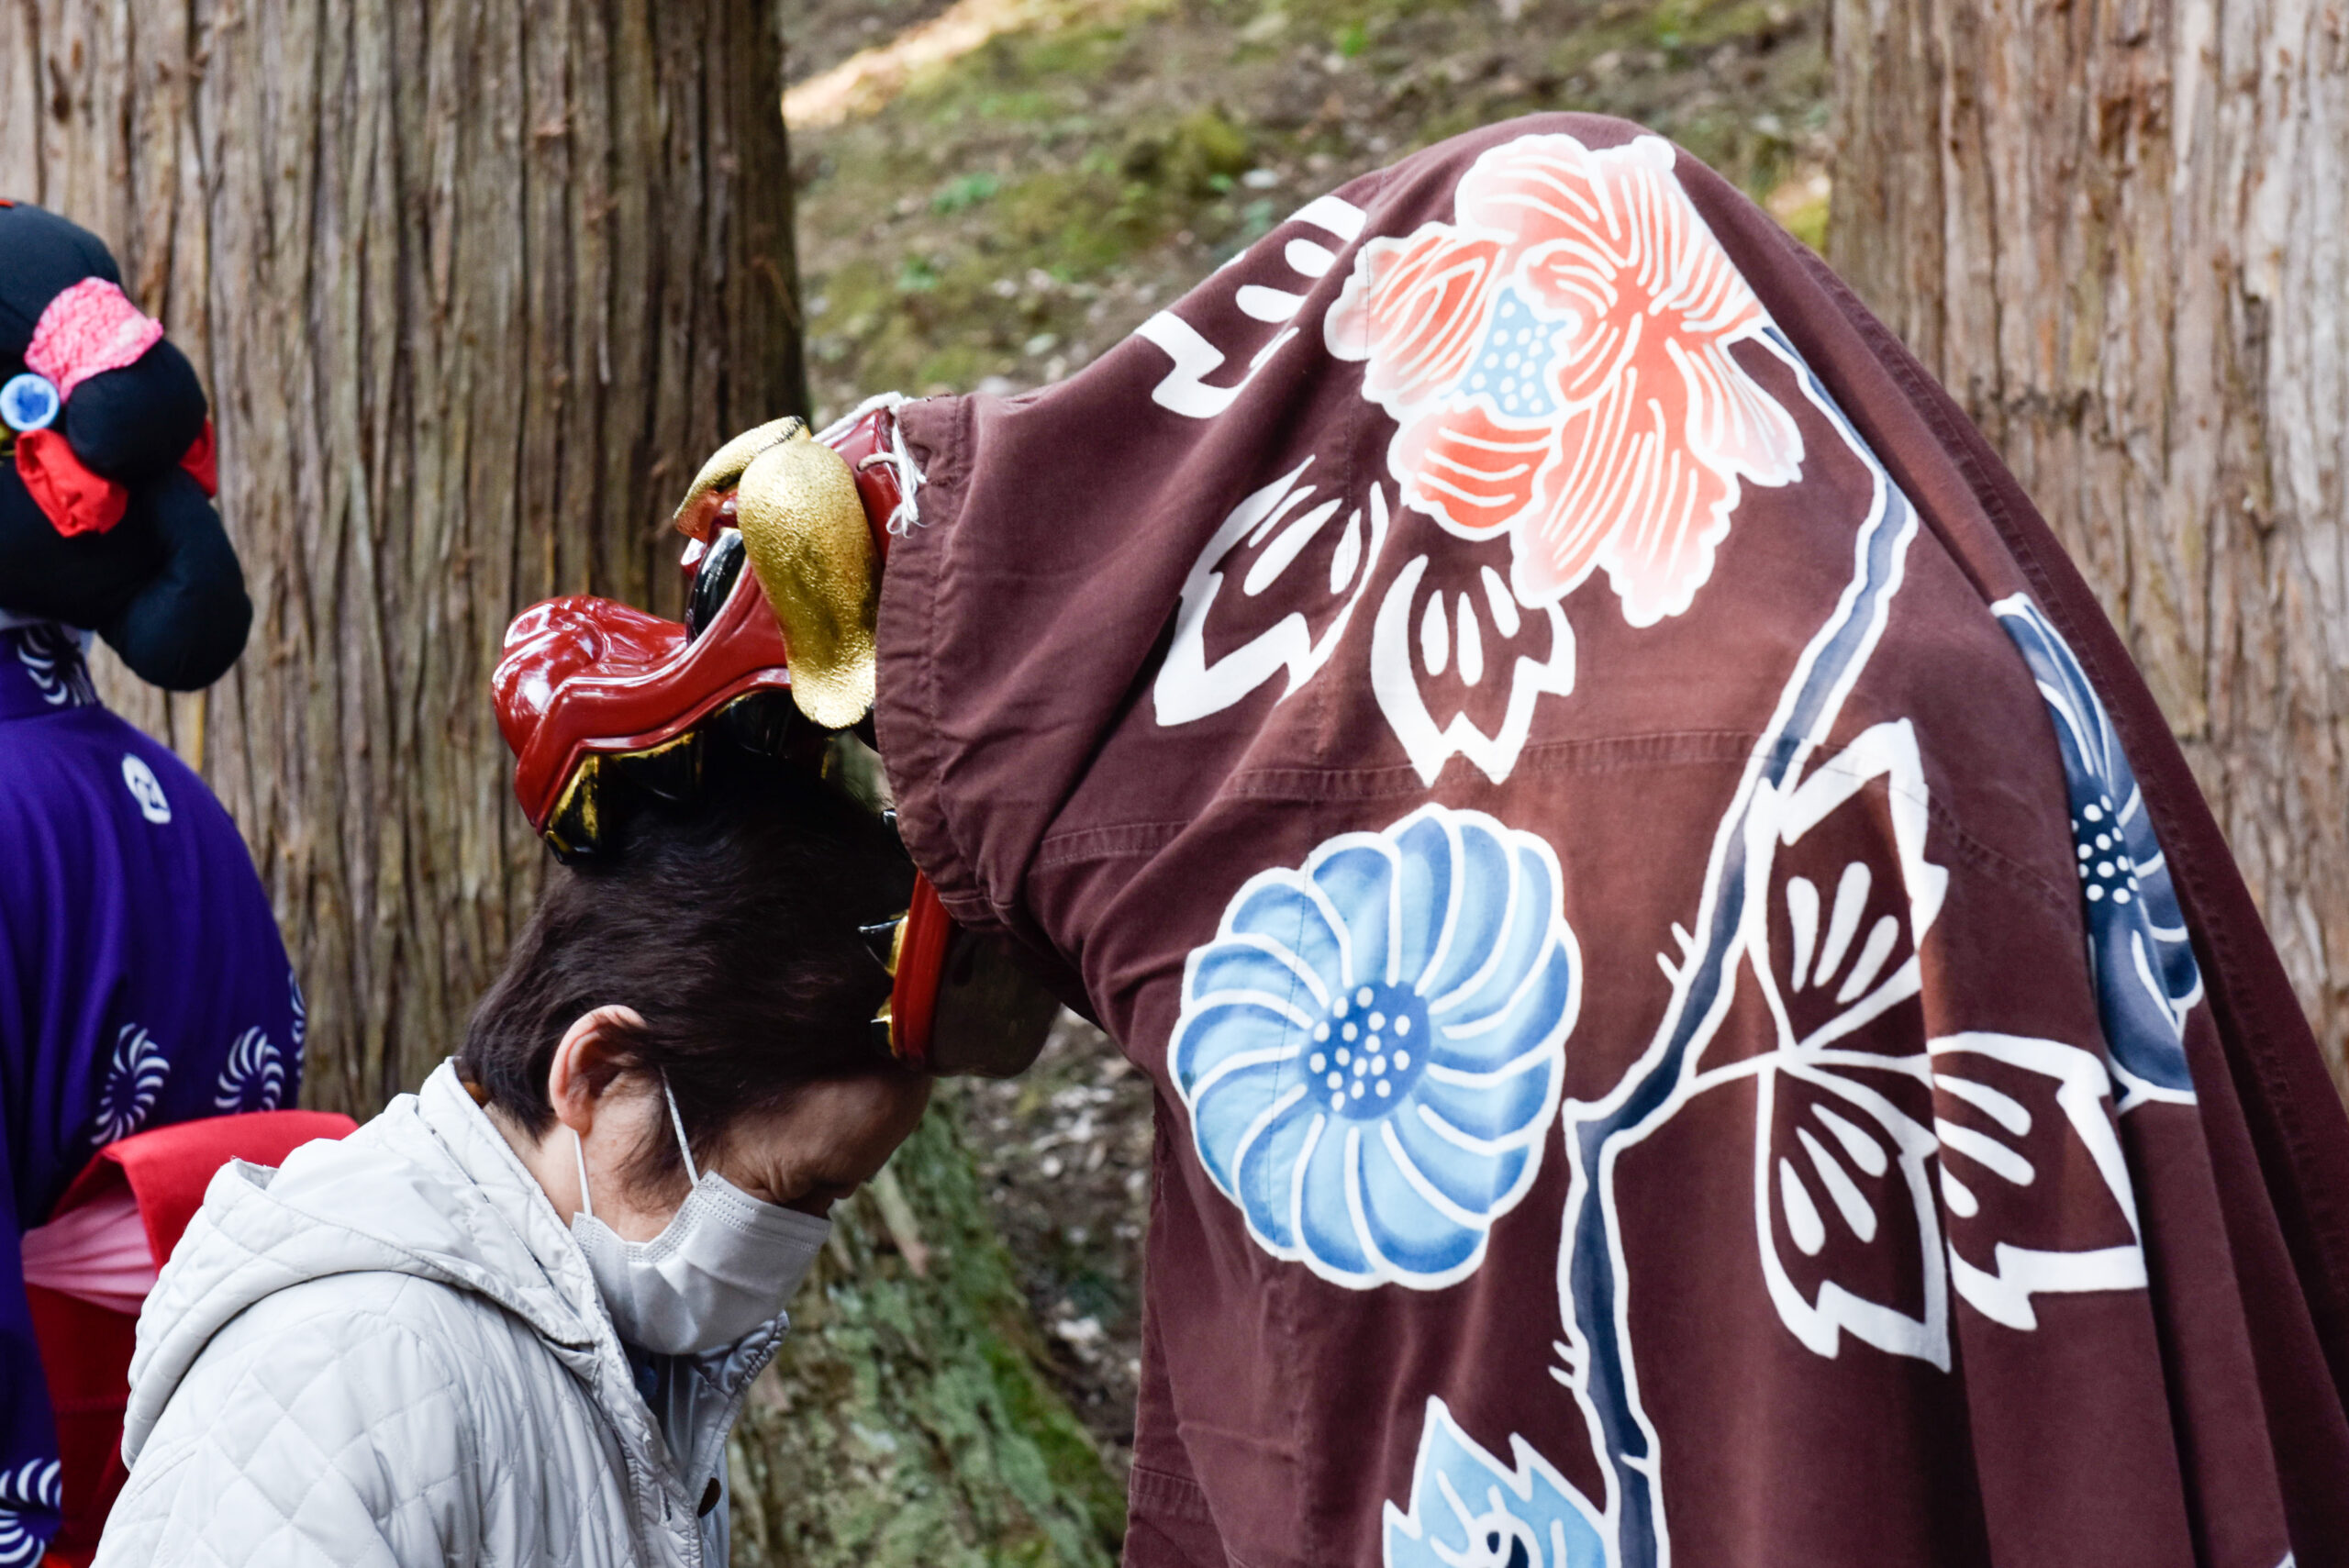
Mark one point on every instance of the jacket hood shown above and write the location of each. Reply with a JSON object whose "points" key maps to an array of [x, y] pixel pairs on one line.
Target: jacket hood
{"points": [[430, 1188]]}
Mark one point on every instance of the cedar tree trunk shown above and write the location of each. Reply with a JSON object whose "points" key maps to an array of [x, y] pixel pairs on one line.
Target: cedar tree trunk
{"points": [[2119, 231]]}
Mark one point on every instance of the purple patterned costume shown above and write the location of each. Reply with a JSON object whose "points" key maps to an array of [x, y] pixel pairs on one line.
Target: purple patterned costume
{"points": [[142, 982]]}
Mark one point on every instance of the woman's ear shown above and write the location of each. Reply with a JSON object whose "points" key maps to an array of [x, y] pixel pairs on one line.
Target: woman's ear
{"points": [[586, 1060]]}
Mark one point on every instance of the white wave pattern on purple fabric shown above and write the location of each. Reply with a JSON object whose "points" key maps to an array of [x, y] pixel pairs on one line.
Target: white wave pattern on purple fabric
{"points": [[301, 1022], [32, 1487], [253, 1078], [53, 660], [134, 1078]]}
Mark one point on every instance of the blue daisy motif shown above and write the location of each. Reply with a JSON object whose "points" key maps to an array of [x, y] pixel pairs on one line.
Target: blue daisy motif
{"points": [[134, 1078], [1469, 1510], [1371, 1047], [253, 1078], [2139, 953]]}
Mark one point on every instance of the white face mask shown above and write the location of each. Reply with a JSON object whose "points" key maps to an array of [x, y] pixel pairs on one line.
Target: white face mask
{"points": [[722, 1266]]}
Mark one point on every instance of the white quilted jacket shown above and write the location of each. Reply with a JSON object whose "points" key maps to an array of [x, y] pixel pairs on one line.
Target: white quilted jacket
{"points": [[390, 1352]]}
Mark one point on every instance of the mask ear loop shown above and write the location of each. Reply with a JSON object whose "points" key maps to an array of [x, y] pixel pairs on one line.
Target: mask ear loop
{"points": [[678, 1122], [579, 1152]]}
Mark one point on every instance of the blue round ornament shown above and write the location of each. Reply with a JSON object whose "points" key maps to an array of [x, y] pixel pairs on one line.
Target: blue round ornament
{"points": [[29, 402]]}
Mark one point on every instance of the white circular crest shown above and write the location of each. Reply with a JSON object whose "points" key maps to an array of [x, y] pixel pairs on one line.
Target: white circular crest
{"points": [[146, 788]]}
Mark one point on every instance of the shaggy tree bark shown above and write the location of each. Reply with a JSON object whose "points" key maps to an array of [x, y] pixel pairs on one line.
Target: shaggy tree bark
{"points": [[2118, 230], [474, 288]]}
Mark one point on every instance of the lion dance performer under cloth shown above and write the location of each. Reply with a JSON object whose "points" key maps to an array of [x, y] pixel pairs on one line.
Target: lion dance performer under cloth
{"points": [[1698, 1015]]}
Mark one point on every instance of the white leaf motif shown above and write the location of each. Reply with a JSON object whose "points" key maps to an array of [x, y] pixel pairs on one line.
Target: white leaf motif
{"points": [[1188, 687], [1405, 706], [1184, 389]]}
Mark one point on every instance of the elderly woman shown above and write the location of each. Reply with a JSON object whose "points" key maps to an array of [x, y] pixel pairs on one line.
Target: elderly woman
{"points": [[1698, 1014], [510, 1321]]}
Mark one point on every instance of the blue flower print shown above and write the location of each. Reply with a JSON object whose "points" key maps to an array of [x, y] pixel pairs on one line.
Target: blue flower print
{"points": [[2139, 954], [1468, 1510], [1371, 1046]]}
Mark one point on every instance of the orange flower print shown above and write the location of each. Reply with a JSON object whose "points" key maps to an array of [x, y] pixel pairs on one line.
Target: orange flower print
{"points": [[1557, 365], [1432, 288]]}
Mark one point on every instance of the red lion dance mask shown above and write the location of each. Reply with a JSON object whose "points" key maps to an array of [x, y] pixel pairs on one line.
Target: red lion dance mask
{"points": [[600, 702]]}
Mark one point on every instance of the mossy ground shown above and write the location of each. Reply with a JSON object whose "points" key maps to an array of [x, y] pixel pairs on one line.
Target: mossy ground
{"points": [[1015, 211], [908, 1419]]}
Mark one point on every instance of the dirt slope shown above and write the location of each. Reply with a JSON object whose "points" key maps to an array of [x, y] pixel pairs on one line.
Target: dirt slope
{"points": [[1013, 212]]}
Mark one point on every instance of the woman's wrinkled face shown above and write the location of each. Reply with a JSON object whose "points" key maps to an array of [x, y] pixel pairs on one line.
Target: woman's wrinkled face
{"points": [[829, 1139], [819, 1145]]}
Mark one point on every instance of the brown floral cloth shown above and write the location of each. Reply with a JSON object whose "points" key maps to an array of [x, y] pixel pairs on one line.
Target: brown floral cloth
{"points": [[1697, 1013]]}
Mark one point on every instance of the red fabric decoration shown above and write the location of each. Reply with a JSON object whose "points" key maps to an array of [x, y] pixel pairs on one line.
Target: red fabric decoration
{"points": [[169, 1168], [921, 963], [96, 1251], [73, 499], [85, 1349], [202, 460]]}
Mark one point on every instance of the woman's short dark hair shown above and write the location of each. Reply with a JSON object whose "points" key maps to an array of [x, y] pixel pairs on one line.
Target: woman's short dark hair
{"points": [[730, 924]]}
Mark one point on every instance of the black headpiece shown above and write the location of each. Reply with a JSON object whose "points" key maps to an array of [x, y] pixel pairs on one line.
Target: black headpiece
{"points": [[106, 465]]}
